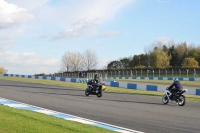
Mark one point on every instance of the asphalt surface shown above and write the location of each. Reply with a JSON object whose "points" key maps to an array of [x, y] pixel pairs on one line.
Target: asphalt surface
{"points": [[137, 112]]}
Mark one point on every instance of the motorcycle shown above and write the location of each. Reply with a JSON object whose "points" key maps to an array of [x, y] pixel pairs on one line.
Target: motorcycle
{"points": [[95, 88], [174, 96]]}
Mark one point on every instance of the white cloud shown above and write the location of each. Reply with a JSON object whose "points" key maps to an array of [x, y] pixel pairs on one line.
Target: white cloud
{"points": [[11, 14], [4, 46], [84, 17], [28, 63], [27, 4], [44, 36], [76, 31], [164, 41], [110, 34]]}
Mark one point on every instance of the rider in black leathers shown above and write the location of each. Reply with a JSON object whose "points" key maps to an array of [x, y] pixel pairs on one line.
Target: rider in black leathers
{"points": [[175, 87], [95, 81], [96, 78]]}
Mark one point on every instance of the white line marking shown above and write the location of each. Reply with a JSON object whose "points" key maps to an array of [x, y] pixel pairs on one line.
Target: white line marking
{"points": [[16, 105], [44, 111], [80, 120]]}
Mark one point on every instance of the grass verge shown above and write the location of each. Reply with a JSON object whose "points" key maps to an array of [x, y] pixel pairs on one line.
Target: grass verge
{"points": [[83, 86], [23, 121]]}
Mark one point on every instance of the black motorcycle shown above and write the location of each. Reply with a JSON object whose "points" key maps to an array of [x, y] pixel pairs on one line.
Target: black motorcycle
{"points": [[95, 88], [174, 96]]}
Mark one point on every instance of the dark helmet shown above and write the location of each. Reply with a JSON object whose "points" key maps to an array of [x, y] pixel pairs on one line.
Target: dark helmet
{"points": [[96, 76]]}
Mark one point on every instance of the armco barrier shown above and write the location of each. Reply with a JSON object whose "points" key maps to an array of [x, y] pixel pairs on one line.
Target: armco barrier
{"points": [[109, 83], [155, 78], [147, 87], [42, 77]]}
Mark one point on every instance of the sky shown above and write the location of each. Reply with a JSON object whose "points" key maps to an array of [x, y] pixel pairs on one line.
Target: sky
{"points": [[34, 35]]}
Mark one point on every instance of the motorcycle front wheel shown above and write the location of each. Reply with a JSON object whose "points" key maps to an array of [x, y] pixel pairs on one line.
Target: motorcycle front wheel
{"points": [[181, 100], [87, 92], [165, 99], [100, 93]]}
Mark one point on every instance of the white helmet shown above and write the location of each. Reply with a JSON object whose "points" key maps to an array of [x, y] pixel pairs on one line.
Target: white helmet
{"points": [[176, 79]]}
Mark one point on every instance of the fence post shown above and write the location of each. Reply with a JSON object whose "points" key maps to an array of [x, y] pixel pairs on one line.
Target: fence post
{"points": [[153, 73]]}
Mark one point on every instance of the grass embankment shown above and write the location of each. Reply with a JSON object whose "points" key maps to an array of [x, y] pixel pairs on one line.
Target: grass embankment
{"points": [[108, 88], [22, 121]]}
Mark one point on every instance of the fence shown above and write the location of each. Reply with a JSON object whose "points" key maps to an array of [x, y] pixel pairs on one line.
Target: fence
{"points": [[182, 73]]}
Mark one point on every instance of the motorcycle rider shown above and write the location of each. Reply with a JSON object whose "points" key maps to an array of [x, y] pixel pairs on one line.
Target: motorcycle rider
{"points": [[175, 87], [94, 81], [96, 78]]}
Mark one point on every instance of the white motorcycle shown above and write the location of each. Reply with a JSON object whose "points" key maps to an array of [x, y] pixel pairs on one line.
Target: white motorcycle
{"points": [[174, 96]]}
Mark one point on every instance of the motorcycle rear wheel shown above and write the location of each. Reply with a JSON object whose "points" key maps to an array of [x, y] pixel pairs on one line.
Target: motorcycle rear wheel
{"points": [[181, 100], [165, 99]]}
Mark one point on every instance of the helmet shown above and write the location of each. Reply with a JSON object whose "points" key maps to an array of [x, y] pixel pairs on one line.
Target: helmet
{"points": [[96, 76], [176, 79]]}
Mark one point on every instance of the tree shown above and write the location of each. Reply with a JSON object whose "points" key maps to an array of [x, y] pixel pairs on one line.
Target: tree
{"points": [[90, 59], [66, 62], [1, 70], [190, 62], [72, 62], [174, 60], [114, 64], [135, 61], [196, 55], [182, 52], [164, 48], [160, 59], [77, 62], [125, 62]]}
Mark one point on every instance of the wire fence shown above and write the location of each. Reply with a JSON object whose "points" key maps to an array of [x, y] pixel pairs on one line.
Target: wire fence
{"points": [[181, 73]]}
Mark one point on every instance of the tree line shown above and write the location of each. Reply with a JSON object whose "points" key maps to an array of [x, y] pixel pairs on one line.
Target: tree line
{"points": [[76, 61], [161, 56]]}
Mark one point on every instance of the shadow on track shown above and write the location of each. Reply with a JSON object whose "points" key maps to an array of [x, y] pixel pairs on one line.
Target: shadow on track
{"points": [[124, 101], [41, 87], [55, 93]]}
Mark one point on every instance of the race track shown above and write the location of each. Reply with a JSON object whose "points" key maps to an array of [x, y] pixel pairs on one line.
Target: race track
{"points": [[137, 112]]}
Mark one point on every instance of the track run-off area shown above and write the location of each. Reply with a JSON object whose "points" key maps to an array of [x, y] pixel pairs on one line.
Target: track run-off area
{"points": [[137, 112]]}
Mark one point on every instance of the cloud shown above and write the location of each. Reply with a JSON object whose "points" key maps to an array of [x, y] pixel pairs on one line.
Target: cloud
{"points": [[4, 46], [11, 14], [164, 41], [110, 34], [28, 63], [83, 17], [27, 4], [44, 36], [76, 31]]}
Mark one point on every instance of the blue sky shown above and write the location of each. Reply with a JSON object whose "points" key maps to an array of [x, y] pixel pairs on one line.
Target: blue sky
{"points": [[34, 36]]}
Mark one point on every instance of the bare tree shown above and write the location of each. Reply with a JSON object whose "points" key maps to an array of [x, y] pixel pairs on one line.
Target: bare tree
{"points": [[72, 62], [77, 61], [90, 59], [66, 62]]}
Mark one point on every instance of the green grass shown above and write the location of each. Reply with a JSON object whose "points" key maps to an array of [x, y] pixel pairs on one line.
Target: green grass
{"points": [[108, 88], [22, 121]]}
